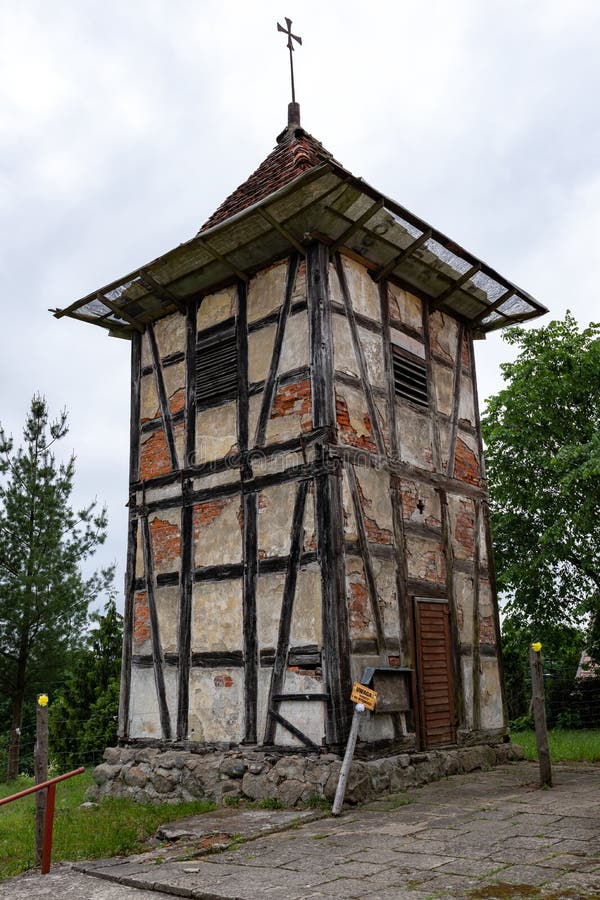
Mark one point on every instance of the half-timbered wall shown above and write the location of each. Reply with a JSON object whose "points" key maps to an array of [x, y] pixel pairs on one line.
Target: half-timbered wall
{"points": [[279, 536]]}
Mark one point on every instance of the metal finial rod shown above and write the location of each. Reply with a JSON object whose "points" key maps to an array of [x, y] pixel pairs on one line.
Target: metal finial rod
{"points": [[290, 46]]}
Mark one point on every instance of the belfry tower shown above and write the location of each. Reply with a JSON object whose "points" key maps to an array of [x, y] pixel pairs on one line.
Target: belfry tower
{"points": [[307, 497]]}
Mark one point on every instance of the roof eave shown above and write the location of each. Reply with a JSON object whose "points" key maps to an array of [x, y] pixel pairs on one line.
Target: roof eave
{"points": [[436, 267]]}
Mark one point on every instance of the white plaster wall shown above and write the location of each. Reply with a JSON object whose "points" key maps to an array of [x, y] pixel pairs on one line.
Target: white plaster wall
{"points": [[414, 435], [491, 698], [364, 292], [219, 542], [260, 351], [216, 704], [309, 717], [217, 616], [408, 306], [266, 291], [216, 308], [144, 717], [170, 334], [295, 351], [216, 432], [276, 507]]}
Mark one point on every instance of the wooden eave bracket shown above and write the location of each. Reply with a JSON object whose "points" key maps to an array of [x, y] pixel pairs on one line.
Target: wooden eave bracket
{"points": [[120, 313], [161, 291], [283, 231], [223, 259], [412, 248], [368, 214], [493, 307], [456, 285]]}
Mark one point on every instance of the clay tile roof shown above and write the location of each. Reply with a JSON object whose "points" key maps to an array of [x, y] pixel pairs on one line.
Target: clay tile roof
{"points": [[296, 151]]}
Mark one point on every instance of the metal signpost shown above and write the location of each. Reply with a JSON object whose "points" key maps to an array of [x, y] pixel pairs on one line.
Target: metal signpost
{"points": [[363, 698]]}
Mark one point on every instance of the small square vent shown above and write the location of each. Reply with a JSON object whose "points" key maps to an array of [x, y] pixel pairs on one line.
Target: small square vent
{"points": [[216, 369], [410, 378]]}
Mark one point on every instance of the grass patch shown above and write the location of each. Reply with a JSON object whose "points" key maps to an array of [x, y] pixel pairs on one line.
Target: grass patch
{"points": [[114, 828], [265, 803], [565, 745]]}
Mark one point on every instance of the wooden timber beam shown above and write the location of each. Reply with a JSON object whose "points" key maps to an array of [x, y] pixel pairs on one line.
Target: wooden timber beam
{"points": [[163, 399], [363, 544], [83, 317], [283, 231], [118, 311], [412, 248], [285, 620], [456, 285], [293, 730], [213, 252], [456, 391], [370, 212], [157, 657], [360, 355], [493, 307], [161, 291], [271, 381]]}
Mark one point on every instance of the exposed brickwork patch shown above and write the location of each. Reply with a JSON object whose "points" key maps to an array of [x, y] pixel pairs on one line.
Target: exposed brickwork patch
{"points": [[206, 512], [464, 530], [487, 631], [465, 354], [177, 401], [223, 681], [358, 607], [430, 566], [141, 618], [349, 434], [466, 465], [305, 670], [166, 543], [394, 306], [294, 400], [154, 456]]}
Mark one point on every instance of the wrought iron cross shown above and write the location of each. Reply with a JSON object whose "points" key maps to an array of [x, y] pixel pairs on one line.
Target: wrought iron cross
{"points": [[290, 46]]}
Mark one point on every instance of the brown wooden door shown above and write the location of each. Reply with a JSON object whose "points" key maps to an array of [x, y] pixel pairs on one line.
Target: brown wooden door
{"points": [[435, 686]]}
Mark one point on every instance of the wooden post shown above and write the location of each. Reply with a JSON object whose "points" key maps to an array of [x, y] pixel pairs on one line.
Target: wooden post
{"points": [[345, 770], [40, 768], [539, 714]]}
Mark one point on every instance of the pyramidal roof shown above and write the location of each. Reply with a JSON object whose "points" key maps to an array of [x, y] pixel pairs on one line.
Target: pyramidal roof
{"points": [[296, 151], [299, 194]]}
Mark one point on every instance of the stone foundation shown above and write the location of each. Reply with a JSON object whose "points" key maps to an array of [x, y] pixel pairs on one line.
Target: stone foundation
{"points": [[149, 775]]}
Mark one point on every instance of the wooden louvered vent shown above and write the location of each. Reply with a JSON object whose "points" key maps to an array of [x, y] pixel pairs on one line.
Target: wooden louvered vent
{"points": [[436, 693], [216, 369], [410, 378]]}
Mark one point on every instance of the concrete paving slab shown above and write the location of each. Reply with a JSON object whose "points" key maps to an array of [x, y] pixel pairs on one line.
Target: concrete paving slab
{"points": [[470, 837], [244, 824]]}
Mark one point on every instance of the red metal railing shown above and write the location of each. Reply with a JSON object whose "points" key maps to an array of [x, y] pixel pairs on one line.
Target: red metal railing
{"points": [[49, 815]]}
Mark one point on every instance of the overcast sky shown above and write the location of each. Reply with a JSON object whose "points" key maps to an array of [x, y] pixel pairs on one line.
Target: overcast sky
{"points": [[124, 124]]}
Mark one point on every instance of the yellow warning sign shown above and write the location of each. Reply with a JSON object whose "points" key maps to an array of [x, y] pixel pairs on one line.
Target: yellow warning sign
{"points": [[364, 695]]}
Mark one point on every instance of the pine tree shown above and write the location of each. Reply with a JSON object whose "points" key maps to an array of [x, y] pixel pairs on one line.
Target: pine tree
{"points": [[43, 596], [83, 717]]}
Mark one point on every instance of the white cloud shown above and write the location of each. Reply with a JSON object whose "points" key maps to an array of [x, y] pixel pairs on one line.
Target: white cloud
{"points": [[123, 125]]}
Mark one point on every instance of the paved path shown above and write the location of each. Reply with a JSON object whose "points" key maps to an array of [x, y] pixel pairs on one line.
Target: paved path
{"points": [[483, 835]]}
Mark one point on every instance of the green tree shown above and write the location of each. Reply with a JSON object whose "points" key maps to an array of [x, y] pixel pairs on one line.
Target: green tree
{"points": [[43, 595], [542, 436], [83, 716]]}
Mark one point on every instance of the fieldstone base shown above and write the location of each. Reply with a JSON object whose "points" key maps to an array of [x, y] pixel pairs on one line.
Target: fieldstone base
{"points": [[150, 775]]}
